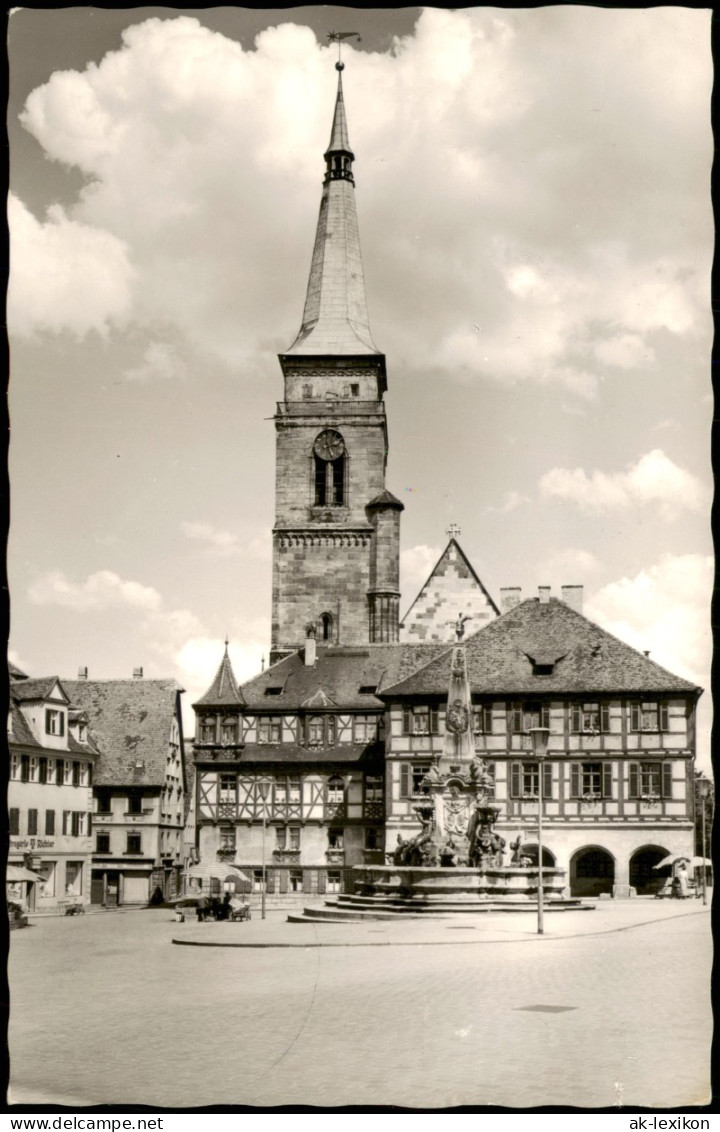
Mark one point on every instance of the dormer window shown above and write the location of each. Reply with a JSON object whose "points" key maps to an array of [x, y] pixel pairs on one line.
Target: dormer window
{"points": [[54, 722], [82, 732], [230, 729]]}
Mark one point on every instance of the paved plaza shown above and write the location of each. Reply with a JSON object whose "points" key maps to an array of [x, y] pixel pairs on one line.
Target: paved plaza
{"points": [[610, 1006]]}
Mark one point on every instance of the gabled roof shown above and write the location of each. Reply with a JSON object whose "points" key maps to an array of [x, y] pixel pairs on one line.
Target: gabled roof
{"points": [[339, 674], [20, 730], [130, 722], [39, 688], [453, 590], [224, 691], [587, 659]]}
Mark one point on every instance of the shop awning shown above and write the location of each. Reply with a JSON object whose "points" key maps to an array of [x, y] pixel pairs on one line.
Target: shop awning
{"points": [[15, 873]]}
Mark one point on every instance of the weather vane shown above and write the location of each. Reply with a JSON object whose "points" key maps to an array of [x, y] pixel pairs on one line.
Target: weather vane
{"points": [[338, 37], [453, 530]]}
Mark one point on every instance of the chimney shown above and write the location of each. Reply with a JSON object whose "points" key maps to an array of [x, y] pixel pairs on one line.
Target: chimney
{"points": [[544, 594], [310, 646], [646, 652], [82, 673], [510, 596], [573, 596], [137, 673]]}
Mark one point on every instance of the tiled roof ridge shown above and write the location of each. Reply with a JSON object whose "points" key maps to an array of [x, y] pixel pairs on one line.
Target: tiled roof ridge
{"points": [[426, 664], [618, 640]]}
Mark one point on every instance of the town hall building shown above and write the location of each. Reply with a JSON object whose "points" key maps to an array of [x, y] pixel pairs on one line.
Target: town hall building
{"points": [[311, 767]]}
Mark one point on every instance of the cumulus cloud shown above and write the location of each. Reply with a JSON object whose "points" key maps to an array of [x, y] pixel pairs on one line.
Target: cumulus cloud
{"points": [[531, 292], [101, 590], [416, 562], [653, 479], [510, 502], [65, 275], [666, 609]]}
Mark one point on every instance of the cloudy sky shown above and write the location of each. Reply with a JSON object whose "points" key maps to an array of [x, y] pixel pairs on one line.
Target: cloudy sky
{"points": [[535, 219]]}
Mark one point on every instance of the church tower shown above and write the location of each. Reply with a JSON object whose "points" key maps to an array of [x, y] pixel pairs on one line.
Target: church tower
{"points": [[337, 528]]}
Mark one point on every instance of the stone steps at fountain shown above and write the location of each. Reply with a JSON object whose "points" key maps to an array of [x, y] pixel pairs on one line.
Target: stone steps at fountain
{"points": [[363, 908]]}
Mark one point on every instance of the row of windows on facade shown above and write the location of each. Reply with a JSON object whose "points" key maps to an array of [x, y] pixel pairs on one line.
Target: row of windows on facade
{"points": [[133, 801], [589, 718], [311, 729], [586, 779], [583, 718], [58, 772], [287, 838], [287, 789], [75, 823], [133, 843], [295, 880]]}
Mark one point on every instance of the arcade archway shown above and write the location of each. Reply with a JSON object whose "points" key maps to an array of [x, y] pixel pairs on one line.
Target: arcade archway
{"points": [[592, 871], [644, 877], [531, 851]]}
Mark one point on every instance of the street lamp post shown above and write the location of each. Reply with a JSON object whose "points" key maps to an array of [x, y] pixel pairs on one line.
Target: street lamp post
{"points": [[264, 785], [539, 737], [703, 787]]}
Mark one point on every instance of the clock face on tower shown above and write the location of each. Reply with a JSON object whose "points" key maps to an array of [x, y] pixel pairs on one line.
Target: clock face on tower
{"points": [[329, 445]]}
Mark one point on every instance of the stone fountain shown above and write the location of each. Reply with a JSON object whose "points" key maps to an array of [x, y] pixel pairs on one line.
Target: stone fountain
{"points": [[457, 862], [458, 858]]}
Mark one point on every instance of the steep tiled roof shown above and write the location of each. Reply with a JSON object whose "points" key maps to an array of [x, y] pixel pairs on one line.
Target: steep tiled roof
{"points": [[586, 658], [339, 674], [224, 691], [130, 723], [21, 732], [38, 688], [16, 673]]}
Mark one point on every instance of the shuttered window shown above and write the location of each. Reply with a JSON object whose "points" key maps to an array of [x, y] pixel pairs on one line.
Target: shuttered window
{"points": [[14, 821], [32, 823], [49, 823], [589, 718], [607, 783], [522, 716], [66, 822], [482, 719], [421, 720], [547, 780], [575, 780], [405, 780], [650, 779], [649, 715]]}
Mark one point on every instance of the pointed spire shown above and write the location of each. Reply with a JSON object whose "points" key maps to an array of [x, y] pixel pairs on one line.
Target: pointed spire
{"points": [[335, 319], [339, 141], [224, 690]]}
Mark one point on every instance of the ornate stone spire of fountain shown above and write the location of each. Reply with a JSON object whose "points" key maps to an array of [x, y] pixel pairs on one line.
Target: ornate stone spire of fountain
{"points": [[459, 746]]}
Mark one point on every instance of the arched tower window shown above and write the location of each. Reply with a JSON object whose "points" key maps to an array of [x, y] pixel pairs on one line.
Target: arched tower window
{"points": [[330, 459], [326, 627]]}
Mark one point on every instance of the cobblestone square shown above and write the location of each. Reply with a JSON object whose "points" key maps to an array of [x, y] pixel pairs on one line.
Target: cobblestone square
{"points": [[471, 1011]]}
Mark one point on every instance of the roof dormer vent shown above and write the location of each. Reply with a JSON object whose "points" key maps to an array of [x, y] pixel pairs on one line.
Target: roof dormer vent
{"points": [[137, 673]]}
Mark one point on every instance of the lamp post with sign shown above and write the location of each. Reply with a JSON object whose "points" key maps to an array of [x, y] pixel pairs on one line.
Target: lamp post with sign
{"points": [[539, 737]]}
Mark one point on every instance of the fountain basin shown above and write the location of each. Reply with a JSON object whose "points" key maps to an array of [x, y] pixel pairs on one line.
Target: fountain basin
{"points": [[461, 885]]}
